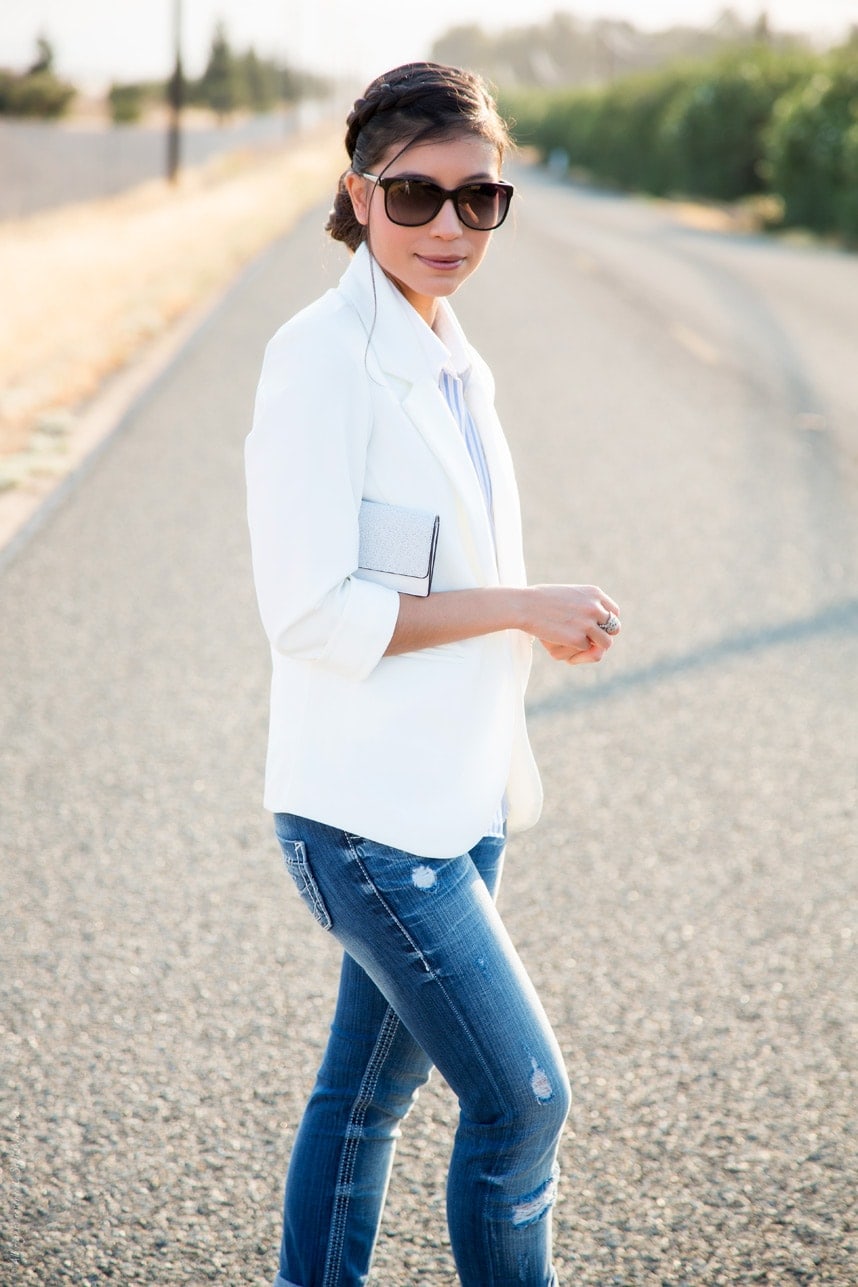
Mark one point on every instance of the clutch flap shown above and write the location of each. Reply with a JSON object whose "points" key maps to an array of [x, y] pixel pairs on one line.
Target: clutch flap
{"points": [[397, 540]]}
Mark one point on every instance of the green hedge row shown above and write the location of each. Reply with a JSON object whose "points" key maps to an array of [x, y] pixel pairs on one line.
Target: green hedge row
{"points": [[34, 93], [753, 121]]}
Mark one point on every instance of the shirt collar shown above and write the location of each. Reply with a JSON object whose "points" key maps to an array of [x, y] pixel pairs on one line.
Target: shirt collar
{"points": [[443, 346], [451, 337]]}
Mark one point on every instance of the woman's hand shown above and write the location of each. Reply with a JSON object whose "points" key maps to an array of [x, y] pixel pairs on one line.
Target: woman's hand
{"points": [[569, 621]]}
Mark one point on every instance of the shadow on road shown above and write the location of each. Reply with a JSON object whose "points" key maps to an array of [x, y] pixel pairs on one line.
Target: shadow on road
{"points": [[841, 619]]}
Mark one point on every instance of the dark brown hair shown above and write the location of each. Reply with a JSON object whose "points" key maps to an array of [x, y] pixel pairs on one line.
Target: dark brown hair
{"points": [[418, 102]]}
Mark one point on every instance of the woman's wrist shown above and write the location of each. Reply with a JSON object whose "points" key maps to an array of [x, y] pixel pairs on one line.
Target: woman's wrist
{"points": [[516, 608], [497, 608]]}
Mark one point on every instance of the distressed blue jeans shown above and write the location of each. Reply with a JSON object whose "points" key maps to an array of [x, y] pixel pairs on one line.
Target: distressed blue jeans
{"points": [[429, 976]]}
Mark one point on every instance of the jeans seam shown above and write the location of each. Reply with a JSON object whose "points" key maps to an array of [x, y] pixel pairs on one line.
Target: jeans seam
{"points": [[437, 979], [357, 1117]]}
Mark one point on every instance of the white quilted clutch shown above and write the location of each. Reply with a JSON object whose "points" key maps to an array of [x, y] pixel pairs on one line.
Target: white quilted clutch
{"points": [[397, 546]]}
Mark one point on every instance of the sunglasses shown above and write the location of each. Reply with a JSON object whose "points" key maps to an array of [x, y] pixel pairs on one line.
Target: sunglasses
{"points": [[412, 202]]}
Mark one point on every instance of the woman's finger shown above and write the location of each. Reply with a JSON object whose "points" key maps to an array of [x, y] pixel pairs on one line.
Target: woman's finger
{"points": [[592, 654]]}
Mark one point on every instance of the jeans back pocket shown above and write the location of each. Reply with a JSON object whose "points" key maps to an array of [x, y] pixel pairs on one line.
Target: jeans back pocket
{"points": [[298, 867]]}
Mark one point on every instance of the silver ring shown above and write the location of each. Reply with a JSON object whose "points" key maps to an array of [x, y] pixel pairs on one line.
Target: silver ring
{"points": [[611, 625]]}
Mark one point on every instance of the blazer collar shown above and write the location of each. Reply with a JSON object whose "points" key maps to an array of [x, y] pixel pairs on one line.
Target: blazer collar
{"points": [[395, 331]]}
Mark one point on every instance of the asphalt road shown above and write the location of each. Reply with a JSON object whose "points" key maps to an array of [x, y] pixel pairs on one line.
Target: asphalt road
{"points": [[682, 408]]}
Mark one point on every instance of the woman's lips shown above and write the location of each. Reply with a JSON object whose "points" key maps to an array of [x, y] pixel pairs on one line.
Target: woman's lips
{"points": [[442, 263]]}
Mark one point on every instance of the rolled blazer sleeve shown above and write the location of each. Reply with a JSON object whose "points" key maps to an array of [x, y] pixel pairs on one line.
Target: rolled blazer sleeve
{"points": [[305, 462]]}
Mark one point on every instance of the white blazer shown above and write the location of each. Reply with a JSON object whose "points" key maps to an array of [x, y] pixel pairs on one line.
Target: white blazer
{"points": [[414, 751]]}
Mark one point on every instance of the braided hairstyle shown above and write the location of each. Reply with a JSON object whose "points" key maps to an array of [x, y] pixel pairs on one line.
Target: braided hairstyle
{"points": [[414, 103]]}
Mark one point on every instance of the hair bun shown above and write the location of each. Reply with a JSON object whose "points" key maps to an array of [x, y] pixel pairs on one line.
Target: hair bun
{"points": [[342, 223]]}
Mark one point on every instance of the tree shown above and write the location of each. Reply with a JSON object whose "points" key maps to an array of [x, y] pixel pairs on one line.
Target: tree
{"points": [[762, 29], [218, 86], [44, 57], [260, 81], [126, 103]]}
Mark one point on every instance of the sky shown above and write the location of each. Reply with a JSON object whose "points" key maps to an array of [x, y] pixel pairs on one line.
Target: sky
{"points": [[97, 41]]}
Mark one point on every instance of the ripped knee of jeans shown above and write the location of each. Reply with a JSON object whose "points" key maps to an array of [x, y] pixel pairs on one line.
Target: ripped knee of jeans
{"points": [[536, 1205], [540, 1083]]}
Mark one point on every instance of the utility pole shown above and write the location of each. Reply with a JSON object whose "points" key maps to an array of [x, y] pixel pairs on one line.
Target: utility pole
{"points": [[176, 98]]}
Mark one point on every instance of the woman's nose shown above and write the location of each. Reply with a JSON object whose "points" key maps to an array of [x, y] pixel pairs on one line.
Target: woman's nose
{"points": [[447, 222]]}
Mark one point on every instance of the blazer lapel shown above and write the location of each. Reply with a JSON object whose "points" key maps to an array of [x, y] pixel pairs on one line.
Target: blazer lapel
{"points": [[394, 346], [480, 397]]}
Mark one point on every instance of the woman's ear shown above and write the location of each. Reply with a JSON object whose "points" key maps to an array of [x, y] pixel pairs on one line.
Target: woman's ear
{"points": [[358, 190]]}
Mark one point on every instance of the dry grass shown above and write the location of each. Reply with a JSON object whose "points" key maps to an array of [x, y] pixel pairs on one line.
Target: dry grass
{"points": [[86, 288]]}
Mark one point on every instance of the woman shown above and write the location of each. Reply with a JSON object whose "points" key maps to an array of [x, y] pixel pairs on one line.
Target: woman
{"points": [[398, 753]]}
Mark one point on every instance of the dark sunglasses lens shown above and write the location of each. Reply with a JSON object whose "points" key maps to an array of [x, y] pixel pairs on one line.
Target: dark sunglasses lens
{"points": [[412, 202], [483, 205]]}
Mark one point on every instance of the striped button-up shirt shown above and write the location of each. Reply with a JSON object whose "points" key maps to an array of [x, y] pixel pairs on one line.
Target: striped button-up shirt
{"points": [[453, 389]]}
